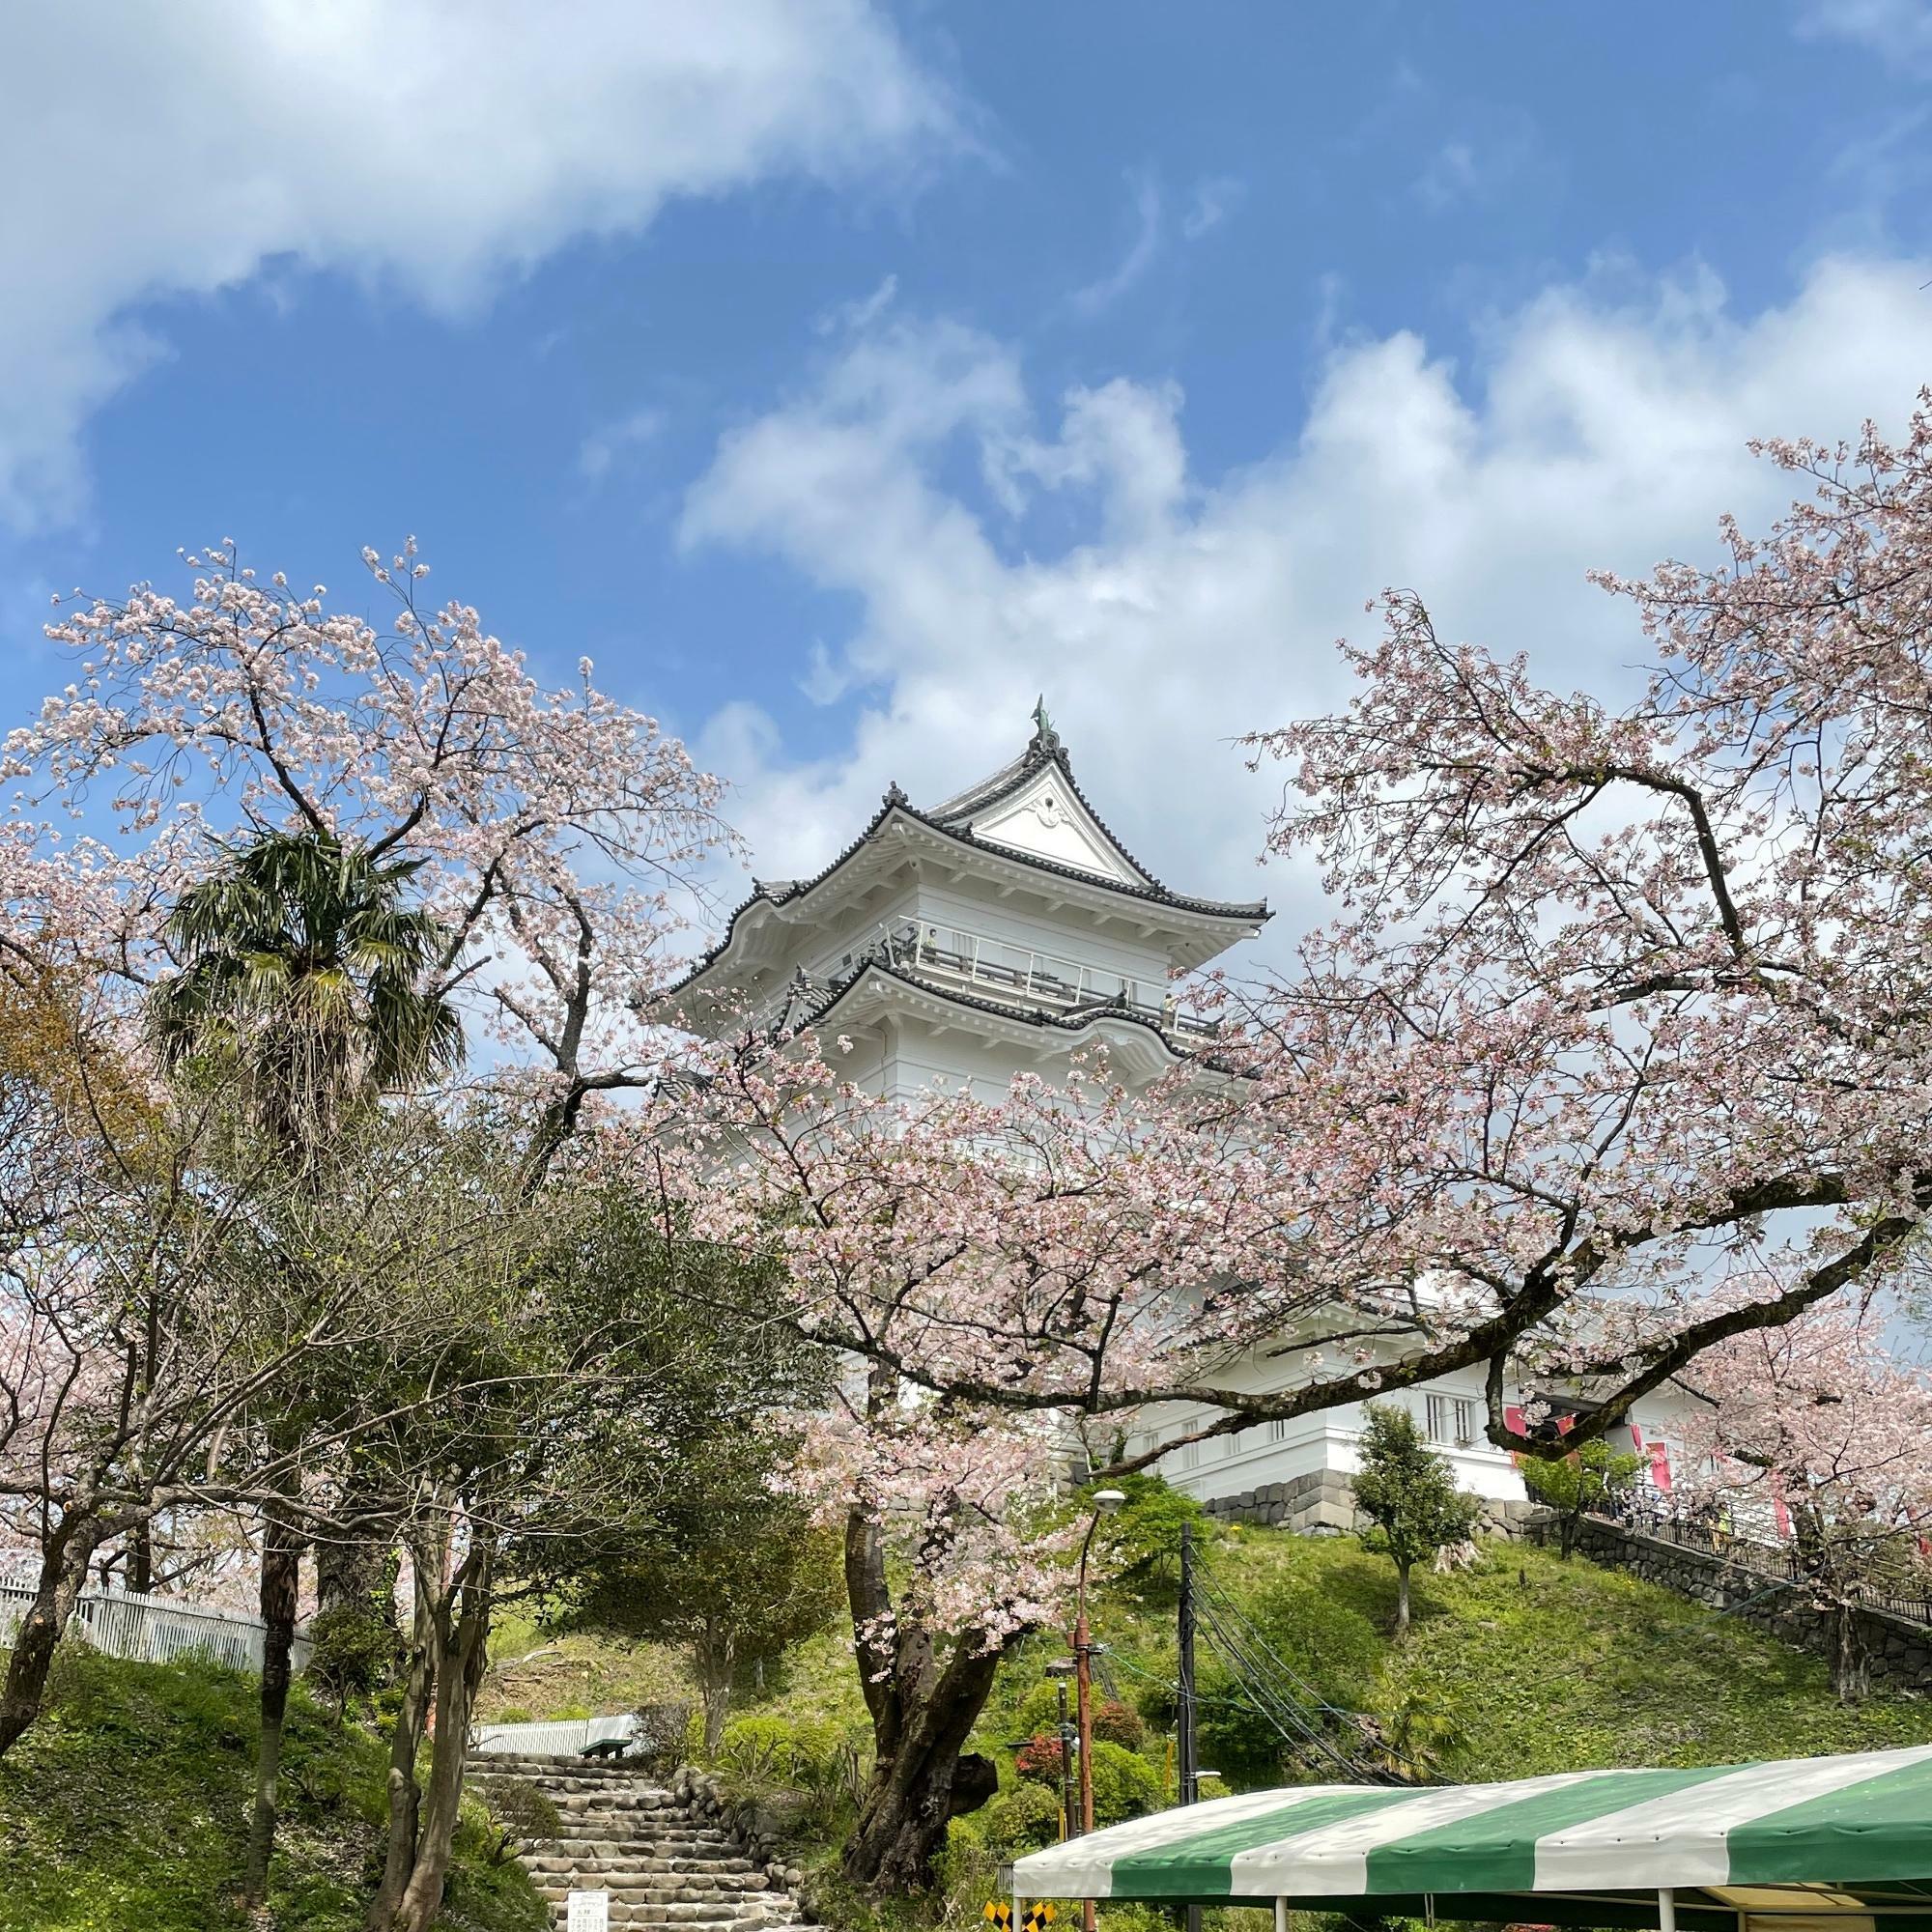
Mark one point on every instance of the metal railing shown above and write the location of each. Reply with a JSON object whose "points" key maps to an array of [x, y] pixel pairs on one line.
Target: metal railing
{"points": [[1738, 1538], [154, 1629], [1004, 970], [565, 1737]]}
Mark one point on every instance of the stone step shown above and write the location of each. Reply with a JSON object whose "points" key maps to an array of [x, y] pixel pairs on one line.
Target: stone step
{"points": [[554, 1855], [657, 1884], [489, 1764], [632, 1844], [655, 1912], [623, 1913], [632, 1828]]}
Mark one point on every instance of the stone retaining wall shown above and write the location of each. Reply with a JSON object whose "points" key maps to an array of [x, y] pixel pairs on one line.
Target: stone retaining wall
{"points": [[1323, 1503], [1900, 1652]]}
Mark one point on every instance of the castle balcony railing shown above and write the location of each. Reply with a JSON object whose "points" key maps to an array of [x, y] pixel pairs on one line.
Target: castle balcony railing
{"points": [[1017, 975]]}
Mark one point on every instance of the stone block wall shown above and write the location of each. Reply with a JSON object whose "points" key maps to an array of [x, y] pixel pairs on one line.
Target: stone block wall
{"points": [[1323, 1503], [1900, 1652]]}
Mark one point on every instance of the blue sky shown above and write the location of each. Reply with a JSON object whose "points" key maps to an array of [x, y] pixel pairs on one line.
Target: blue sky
{"points": [[838, 375]]}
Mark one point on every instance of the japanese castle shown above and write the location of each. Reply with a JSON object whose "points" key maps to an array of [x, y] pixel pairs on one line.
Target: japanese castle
{"points": [[1000, 931]]}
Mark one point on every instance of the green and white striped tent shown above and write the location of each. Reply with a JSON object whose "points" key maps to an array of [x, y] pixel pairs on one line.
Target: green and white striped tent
{"points": [[1784, 1847]]}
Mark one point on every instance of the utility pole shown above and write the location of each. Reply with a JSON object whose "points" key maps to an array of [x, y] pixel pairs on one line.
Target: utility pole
{"points": [[1104, 1502], [1190, 1776], [1183, 1703]]}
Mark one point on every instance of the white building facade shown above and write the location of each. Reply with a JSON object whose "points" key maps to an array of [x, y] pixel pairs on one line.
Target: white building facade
{"points": [[1000, 931]]}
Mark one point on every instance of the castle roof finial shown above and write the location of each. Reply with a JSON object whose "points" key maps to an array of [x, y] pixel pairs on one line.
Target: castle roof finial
{"points": [[1044, 737]]}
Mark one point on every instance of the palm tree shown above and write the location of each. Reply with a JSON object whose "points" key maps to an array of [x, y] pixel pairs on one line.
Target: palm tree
{"points": [[304, 980], [303, 975]]}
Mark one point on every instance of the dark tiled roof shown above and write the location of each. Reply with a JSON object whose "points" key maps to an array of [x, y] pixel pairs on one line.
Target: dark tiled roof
{"points": [[950, 817], [1075, 1021]]}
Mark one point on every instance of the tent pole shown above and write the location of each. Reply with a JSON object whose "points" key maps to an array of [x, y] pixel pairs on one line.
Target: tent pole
{"points": [[1281, 1915], [1667, 1911]]}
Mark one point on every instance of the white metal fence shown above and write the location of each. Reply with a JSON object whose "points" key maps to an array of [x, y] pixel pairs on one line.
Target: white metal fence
{"points": [[154, 1629], [553, 1739]]}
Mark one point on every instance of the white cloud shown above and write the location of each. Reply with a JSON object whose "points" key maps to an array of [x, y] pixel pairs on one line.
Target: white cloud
{"points": [[1140, 256], [858, 314], [1477, 166], [431, 146], [1602, 424], [1215, 198], [603, 448], [1897, 30]]}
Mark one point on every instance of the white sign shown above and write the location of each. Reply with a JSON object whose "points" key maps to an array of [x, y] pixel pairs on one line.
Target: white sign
{"points": [[588, 1912]]}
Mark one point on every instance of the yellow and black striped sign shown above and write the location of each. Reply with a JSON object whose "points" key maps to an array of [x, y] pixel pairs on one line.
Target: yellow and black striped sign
{"points": [[999, 1916]]}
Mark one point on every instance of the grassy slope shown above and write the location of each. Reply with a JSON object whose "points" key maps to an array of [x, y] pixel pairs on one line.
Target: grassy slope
{"points": [[124, 1810], [1538, 1664], [1543, 1664]]}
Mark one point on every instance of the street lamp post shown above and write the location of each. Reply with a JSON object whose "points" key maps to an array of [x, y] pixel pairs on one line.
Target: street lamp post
{"points": [[1061, 1670], [1105, 1502]]}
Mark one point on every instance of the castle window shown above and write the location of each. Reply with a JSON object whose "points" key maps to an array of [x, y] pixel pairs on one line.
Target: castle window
{"points": [[1451, 1419]]}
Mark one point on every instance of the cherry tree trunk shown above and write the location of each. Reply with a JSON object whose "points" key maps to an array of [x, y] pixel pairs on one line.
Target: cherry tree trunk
{"points": [[464, 1655], [1402, 1599], [922, 1713], [405, 1794], [62, 1572], [926, 1783], [1851, 1662], [281, 1575]]}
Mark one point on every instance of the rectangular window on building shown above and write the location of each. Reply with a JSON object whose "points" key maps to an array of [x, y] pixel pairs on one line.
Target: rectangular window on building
{"points": [[1278, 1430], [1451, 1420]]}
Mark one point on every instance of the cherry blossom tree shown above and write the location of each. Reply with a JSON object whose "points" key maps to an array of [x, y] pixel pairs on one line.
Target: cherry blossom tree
{"points": [[1817, 1432], [556, 835], [1622, 1040], [1616, 1053]]}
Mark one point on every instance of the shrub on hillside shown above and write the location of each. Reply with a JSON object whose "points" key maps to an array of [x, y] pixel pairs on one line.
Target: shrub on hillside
{"points": [[1020, 1819], [1038, 1758], [1119, 1723], [354, 1653], [1124, 1786], [816, 1757]]}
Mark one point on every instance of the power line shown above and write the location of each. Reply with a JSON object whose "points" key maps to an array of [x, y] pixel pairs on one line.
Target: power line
{"points": [[1295, 1707]]}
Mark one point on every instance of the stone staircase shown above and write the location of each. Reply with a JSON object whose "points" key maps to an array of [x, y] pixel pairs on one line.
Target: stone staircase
{"points": [[668, 1865]]}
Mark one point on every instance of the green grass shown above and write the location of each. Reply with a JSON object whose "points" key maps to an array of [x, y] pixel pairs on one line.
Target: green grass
{"points": [[1527, 1663], [125, 1809], [1524, 1664]]}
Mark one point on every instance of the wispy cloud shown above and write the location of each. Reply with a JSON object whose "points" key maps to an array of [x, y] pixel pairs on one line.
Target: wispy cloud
{"points": [[1475, 167], [601, 451], [1140, 256], [856, 316], [1215, 198], [1896, 30]]}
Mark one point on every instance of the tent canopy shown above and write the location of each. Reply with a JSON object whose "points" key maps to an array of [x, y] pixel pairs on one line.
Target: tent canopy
{"points": [[1785, 1846]]}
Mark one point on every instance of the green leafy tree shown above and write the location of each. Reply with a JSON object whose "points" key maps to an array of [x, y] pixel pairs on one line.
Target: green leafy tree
{"points": [[1584, 1483], [306, 968], [1410, 1496], [1143, 1536], [306, 979], [731, 1572]]}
